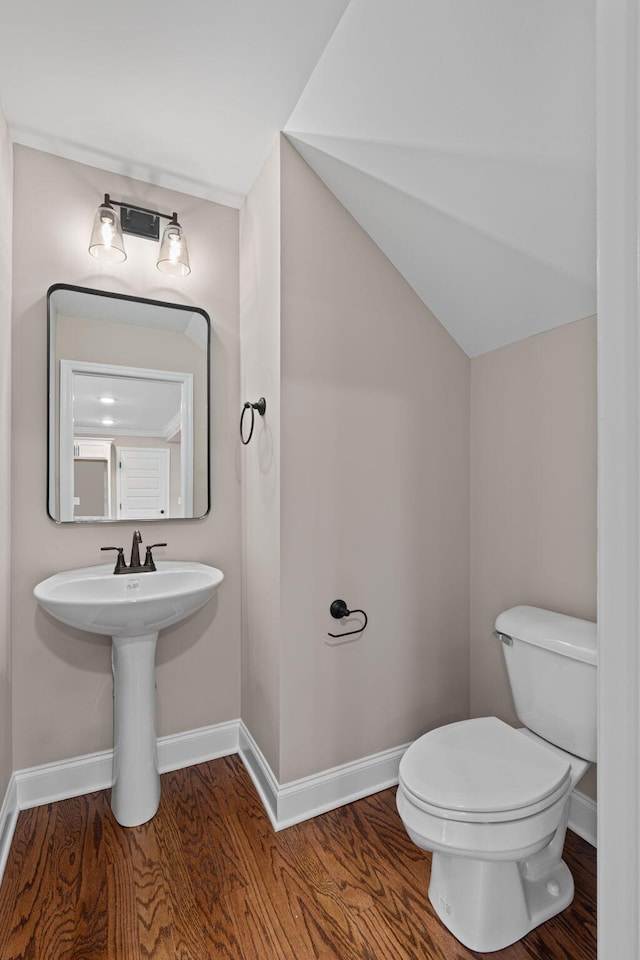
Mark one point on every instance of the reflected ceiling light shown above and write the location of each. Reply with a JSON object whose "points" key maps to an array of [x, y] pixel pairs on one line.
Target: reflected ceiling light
{"points": [[107, 242], [107, 422], [107, 400]]}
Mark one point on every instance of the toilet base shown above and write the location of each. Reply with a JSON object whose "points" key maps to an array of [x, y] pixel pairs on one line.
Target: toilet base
{"points": [[489, 904]]}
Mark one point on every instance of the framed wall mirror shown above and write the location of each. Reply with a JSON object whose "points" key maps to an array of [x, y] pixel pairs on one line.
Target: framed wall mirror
{"points": [[128, 407]]}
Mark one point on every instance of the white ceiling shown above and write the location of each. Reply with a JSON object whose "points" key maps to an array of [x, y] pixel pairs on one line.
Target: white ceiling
{"points": [[460, 134], [463, 141], [186, 95], [141, 408]]}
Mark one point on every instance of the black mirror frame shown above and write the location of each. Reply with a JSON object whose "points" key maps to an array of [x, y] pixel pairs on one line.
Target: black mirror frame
{"points": [[154, 303]]}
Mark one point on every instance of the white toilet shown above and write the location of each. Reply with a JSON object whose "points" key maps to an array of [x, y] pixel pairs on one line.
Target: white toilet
{"points": [[492, 801]]}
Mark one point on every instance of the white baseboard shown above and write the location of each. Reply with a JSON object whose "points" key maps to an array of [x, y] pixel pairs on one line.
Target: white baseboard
{"points": [[583, 817], [180, 750], [299, 800], [63, 779], [49, 782], [8, 817], [260, 772], [310, 796]]}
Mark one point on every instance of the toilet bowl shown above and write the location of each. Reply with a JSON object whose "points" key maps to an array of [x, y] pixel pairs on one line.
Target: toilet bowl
{"points": [[491, 801], [497, 869]]}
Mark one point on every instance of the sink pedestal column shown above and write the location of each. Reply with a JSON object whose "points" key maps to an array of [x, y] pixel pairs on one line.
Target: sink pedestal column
{"points": [[136, 783]]}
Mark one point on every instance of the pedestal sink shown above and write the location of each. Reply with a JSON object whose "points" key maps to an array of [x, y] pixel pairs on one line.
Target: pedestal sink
{"points": [[131, 608]]}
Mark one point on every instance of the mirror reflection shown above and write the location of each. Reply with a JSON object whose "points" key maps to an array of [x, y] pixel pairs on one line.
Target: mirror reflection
{"points": [[128, 407]]}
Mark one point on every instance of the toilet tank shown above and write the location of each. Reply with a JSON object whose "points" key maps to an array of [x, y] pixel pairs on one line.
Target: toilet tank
{"points": [[552, 665]]}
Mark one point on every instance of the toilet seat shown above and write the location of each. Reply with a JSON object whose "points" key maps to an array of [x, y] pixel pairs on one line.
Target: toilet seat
{"points": [[482, 771]]}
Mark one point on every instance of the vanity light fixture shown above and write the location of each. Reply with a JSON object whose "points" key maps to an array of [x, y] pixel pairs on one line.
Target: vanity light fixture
{"points": [[107, 242]]}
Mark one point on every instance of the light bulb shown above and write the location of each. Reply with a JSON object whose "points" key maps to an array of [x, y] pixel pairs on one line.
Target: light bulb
{"points": [[106, 237], [174, 257]]}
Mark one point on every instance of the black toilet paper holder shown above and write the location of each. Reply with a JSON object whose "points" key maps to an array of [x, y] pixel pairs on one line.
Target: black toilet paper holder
{"points": [[339, 610]]}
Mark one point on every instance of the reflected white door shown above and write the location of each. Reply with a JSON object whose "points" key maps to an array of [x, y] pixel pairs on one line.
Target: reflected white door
{"points": [[142, 485]]}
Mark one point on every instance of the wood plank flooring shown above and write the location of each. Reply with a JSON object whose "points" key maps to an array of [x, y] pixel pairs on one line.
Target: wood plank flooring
{"points": [[209, 878]]}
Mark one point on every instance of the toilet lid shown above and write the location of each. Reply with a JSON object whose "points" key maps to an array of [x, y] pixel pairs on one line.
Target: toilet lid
{"points": [[481, 766]]}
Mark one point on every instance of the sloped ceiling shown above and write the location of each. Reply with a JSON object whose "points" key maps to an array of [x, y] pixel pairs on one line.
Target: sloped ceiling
{"points": [[461, 137], [459, 133], [188, 95]]}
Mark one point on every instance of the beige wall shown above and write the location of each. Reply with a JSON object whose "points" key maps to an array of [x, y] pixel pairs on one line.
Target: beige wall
{"points": [[375, 492], [90, 487], [62, 678], [533, 493], [260, 333], [373, 470], [6, 201]]}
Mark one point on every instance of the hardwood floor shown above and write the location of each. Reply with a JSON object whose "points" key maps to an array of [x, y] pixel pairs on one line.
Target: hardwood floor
{"points": [[209, 878]]}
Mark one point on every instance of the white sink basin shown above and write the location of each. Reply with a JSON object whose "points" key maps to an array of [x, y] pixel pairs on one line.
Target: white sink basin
{"points": [[131, 608], [128, 605]]}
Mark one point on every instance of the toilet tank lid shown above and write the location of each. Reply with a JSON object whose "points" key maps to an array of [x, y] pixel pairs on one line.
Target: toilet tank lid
{"points": [[567, 636]]}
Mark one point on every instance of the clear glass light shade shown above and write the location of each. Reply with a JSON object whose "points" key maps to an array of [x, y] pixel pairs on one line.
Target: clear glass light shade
{"points": [[174, 257], [106, 237]]}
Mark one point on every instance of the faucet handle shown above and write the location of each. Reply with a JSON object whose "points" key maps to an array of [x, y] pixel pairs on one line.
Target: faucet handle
{"points": [[148, 560], [120, 566]]}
